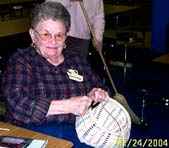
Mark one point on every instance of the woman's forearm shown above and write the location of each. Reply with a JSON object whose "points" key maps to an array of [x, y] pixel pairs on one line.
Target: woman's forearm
{"points": [[58, 107]]}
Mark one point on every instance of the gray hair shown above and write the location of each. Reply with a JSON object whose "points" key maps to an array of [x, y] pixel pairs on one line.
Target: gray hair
{"points": [[50, 10]]}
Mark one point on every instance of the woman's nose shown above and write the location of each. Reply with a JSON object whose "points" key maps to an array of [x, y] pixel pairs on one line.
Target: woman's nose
{"points": [[53, 39]]}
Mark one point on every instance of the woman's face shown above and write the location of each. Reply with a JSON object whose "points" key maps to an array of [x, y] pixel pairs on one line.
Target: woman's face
{"points": [[49, 37]]}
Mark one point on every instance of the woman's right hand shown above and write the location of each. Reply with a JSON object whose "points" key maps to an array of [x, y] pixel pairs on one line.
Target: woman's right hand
{"points": [[79, 105], [76, 105]]}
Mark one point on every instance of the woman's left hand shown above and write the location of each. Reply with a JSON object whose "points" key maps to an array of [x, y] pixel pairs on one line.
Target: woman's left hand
{"points": [[98, 95]]}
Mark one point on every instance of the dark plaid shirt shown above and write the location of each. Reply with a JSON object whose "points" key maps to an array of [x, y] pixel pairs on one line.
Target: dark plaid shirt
{"points": [[30, 83]]}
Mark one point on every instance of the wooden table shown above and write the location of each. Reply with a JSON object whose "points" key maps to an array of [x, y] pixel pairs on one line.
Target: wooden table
{"points": [[21, 132], [164, 59]]}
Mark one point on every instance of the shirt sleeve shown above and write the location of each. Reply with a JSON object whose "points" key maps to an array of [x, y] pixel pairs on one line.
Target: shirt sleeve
{"points": [[99, 20], [65, 3], [21, 107]]}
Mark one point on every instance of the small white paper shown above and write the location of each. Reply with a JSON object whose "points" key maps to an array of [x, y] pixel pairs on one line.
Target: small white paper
{"points": [[38, 144]]}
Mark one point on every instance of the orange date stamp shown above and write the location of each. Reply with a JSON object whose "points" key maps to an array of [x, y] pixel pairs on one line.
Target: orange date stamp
{"points": [[147, 143]]}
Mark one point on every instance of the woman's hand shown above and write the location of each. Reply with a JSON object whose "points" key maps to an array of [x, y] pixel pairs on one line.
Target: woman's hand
{"points": [[79, 105], [98, 95]]}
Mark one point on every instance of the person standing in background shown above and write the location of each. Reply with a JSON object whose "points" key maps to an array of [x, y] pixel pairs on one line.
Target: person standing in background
{"points": [[79, 35]]}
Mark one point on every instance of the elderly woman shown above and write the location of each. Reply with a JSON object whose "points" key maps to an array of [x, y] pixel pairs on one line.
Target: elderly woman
{"points": [[45, 85]]}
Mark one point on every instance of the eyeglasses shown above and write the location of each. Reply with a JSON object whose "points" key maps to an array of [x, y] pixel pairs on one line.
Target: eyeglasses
{"points": [[47, 36]]}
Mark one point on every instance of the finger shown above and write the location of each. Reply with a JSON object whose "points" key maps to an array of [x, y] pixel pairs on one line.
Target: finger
{"points": [[101, 95]]}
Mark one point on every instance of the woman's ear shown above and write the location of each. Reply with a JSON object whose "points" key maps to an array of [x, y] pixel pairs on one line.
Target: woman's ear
{"points": [[32, 34]]}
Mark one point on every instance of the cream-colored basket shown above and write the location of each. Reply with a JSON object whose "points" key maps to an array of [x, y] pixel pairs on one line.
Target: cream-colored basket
{"points": [[107, 125]]}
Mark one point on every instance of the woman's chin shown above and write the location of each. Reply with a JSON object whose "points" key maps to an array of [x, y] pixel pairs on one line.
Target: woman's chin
{"points": [[53, 51], [54, 54]]}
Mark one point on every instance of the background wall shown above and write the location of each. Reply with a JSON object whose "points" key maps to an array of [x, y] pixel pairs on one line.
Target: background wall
{"points": [[160, 25]]}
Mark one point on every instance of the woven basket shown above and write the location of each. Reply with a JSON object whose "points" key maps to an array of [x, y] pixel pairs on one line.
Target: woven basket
{"points": [[106, 126]]}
